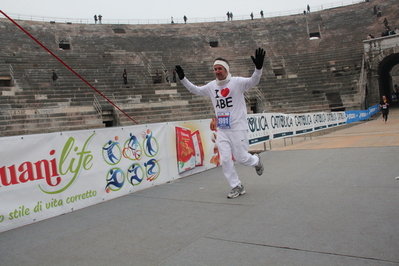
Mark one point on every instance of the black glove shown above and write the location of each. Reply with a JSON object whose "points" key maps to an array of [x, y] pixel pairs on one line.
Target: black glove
{"points": [[259, 57], [179, 72]]}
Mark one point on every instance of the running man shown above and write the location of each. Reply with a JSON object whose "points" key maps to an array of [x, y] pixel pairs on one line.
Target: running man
{"points": [[227, 96]]}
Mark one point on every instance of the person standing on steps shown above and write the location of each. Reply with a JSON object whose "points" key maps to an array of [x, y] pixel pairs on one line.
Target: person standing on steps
{"points": [[227, 96], [174, 75], [54, 77], [124, 77]]}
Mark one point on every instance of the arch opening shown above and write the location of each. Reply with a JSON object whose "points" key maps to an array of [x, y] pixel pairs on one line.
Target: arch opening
{"points": [[388, 76]]}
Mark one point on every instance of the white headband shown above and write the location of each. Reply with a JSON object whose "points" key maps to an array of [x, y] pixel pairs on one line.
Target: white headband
{"points": [[222, 63]]}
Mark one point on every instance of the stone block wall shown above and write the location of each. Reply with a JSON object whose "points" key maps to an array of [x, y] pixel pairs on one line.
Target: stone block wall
{"points": [[301, 74]]}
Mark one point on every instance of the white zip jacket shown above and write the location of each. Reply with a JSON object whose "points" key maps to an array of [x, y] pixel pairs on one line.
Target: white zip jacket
{"points": [[228, 98]]}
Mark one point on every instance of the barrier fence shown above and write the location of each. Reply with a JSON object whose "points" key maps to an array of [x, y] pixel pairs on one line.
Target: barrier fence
{"points": [[46, 175]]}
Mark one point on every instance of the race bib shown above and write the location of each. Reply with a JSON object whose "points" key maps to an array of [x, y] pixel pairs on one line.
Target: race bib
{"points": [[224, 120]]}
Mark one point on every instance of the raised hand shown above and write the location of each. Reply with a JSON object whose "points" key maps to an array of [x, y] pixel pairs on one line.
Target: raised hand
{"points": [[179, 72], [259, 58]]}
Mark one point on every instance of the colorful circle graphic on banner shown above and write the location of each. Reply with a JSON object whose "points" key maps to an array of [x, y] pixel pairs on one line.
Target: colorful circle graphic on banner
{"points": [[135, 174], [150, 144], [153, 169], [132, 149], [115, 180], [112, 152]]}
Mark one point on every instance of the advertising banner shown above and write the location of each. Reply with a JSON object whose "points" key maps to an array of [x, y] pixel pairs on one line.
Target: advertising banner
{"points": [[374, 109], [203, 140], [319, 121], [282, 125], [269, 126], [50, 174], [46, 175], [259, 130], [303, 123], [336, 119], [359, 115]]}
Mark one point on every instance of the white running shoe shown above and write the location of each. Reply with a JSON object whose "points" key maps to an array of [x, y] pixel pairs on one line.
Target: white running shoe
{"points": [[259, 168], [237, 191]]}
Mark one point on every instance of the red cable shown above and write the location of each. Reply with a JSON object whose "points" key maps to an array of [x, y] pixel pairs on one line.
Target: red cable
{"points": [[62, 62]]}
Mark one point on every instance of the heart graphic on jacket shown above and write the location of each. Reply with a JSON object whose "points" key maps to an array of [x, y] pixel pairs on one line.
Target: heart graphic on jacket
{"points": [[225, 92]]}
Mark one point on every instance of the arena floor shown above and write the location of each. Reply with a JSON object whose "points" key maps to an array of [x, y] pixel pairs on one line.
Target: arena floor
{"points": [[330, 200]]}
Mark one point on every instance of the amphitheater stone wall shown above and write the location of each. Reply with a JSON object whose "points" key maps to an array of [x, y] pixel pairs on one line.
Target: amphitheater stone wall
{"points": [[314, 62]]}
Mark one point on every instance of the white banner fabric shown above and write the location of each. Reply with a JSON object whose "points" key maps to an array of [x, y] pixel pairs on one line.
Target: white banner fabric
{"points": [[46, 175]]}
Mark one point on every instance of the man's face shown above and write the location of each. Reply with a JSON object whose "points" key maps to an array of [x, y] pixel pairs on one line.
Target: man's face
{"points": [[220, 72]]}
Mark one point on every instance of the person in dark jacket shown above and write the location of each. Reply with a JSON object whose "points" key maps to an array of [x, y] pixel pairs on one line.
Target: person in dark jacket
{"points": [[384, 106]]}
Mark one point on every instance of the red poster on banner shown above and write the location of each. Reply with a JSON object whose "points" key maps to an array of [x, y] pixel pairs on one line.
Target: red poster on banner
{"points": [[198, 149], [184, 149]]}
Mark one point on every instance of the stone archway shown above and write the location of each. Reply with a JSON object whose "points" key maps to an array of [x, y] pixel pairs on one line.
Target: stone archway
{"points": [[385, 81], [381, 55]]}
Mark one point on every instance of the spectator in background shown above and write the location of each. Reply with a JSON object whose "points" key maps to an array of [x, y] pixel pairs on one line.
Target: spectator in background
{"points": [[308, 9], [174, 75], [95, 19], [185, 19], [99, 18], [54, 77], [387, 32], [252, 15], [385, 22], [261, 13], [379, 13], [384, 106], [158, 78], [124, 77]]}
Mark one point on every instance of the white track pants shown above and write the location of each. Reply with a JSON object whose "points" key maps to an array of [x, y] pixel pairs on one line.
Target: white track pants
{"points": [[234, 143]]}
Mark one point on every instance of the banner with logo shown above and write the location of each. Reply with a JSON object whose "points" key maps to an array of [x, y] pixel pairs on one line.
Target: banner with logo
{"points": [[46, 175], [269, 126], [359, 115], [303, 123]]}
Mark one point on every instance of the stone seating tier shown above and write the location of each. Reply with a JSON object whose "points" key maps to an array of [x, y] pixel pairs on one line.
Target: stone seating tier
{"points": [[300, 75]]}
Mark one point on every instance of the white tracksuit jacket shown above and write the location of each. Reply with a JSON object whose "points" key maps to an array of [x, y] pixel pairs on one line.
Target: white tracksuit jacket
{"points": [[233, 141]]}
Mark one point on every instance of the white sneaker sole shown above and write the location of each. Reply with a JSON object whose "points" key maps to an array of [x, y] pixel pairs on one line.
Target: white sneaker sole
{"points": [[236, 195]]}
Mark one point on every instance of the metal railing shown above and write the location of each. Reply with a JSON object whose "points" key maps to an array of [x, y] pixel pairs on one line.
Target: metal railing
{"points": [[11, 72], [116, 111], [258, 93], [178, 21], [97, 107]]}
